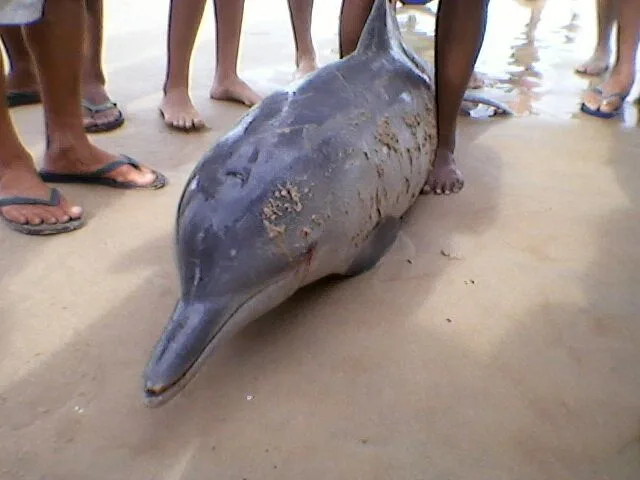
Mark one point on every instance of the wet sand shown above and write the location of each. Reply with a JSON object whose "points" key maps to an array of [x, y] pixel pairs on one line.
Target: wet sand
{"points": [[497, 340]]}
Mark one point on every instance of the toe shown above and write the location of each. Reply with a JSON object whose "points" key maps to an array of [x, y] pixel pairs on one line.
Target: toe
{"points": [[143, 176], [48, 216], [74, 212], [610, 105], [13, 214], [34, 218]]}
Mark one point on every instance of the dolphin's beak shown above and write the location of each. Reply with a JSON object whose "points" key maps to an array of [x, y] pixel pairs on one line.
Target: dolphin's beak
{"points": [[196, 329], [183, 344]]}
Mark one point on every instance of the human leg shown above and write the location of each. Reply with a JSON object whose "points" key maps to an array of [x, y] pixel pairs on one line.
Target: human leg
{"points": [[598, 63], [353, 16], [301, 12], [22, 80], [19, 178], [226, 83], [56, 43], [460, 28], [176, 107], [101, 114], [607, 99]]}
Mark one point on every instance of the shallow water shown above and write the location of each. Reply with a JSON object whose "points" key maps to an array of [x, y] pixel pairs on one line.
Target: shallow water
{"points": [[530, 51]]}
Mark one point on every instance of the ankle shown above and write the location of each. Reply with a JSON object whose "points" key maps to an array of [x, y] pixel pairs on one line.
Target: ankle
{"points": [[22, 70], [181, 90], [226, 78], [447, 143], [16, 163], [622, 74], [94, 78], [308, 58], [64, 145]]}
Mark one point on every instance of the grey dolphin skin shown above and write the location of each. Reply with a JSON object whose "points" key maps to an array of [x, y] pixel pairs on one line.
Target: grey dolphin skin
{"points": [[311, 182]]}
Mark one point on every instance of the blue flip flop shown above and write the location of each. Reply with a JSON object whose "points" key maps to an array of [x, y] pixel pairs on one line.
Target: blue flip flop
{"points": [[107, 126], [43, 228], [599, 113]]}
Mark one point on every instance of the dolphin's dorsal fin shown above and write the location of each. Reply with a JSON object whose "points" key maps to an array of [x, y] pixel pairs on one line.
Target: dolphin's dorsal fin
{"points": [[380, 33]]}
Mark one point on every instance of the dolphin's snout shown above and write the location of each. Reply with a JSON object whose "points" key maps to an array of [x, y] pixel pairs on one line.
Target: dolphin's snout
{"points": [[153, 389], [181, 345]]}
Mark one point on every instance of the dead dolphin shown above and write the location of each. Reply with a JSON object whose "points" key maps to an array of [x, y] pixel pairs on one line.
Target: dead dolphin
{"points": [[311, 182]]}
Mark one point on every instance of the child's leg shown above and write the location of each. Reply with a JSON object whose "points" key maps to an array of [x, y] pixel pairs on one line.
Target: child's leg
{"points": [[599, 61], [176, 107], [22, 75], [610, 95], [101, 114], [226, 83], [301, 12]]}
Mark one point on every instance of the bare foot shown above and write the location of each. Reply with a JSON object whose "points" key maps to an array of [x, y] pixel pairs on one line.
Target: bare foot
{"points": [[304, 67], [476, 81], [178, 111], [444, 178], [84, 157], [26, 183], [596, 65], [100, 113], [234, 90]]}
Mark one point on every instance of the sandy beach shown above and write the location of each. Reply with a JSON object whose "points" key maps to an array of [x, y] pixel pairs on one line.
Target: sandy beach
{"points": [[498, 339]]}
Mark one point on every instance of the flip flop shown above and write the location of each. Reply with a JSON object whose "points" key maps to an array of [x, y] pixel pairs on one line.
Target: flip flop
{"points": [[97, 177], [18, 99], [43, 228], [103, 127], [599, 113]]}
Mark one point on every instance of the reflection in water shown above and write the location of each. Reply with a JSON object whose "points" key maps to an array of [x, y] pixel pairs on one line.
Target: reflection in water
{"points": [[529, 53], [526, 80], [417, 25]]}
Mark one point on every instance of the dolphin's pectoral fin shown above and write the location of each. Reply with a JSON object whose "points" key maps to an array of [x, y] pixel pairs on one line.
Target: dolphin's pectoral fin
{"points": [[471, 101], [373, 249]]}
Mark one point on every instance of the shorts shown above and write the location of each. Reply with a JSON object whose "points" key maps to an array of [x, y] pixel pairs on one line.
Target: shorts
{"points": [[20, 12]]}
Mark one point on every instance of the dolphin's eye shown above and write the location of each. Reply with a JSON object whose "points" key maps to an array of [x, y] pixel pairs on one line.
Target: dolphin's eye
{"points": [[237, 175]]}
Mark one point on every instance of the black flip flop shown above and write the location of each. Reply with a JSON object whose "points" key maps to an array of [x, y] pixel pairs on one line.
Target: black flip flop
{"points": [[43, 228], [103, 127], [97, 177], [18, 99]]}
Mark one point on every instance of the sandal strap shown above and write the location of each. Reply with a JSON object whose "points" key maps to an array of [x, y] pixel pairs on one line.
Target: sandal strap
{"points": [[54, 200], [108, 105]]}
